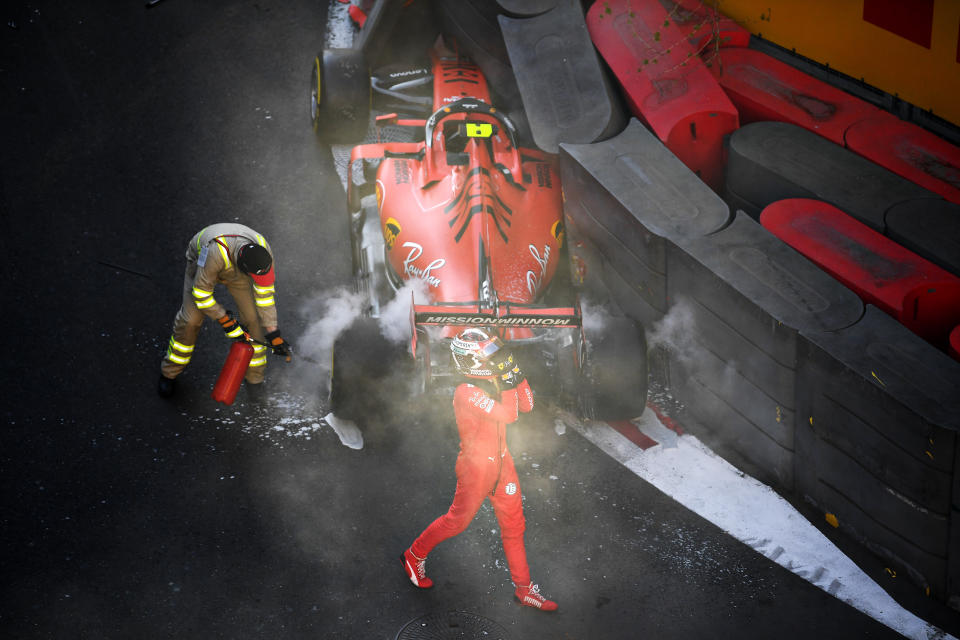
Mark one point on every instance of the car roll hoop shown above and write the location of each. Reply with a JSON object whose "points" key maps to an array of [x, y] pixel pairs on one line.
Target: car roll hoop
{"points": [[473, 106], [480, 128]]}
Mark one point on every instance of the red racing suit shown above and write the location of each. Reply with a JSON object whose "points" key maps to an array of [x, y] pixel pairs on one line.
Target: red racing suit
{"points": [[485, 469]]}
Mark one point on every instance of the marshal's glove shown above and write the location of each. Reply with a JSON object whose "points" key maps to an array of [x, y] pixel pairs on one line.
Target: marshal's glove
{"points": [[232, 328], [507, 371], [280, 346]]}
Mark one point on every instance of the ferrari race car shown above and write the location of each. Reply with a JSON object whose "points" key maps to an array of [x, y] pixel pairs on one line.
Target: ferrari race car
{"points": [[471, 221]]}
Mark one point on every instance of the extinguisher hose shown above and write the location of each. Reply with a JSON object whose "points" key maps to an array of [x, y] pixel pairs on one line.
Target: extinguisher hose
{"points": [[249, 338]]}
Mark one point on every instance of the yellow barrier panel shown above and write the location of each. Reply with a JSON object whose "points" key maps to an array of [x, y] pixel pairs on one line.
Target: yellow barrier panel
{"points": [[848, 37]]}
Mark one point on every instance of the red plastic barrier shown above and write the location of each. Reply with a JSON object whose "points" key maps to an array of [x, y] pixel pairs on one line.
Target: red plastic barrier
{"points": [[918, 293], [665, 82], [954, 348], [234, 369], [763, 88], [910, 151], [700, 23]]}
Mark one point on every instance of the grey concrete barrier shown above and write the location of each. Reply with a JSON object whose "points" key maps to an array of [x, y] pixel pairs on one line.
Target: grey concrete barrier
{"points": [[526, 8], [777, 365], [876, 443], [566, 93], [770, 161], [630, 197], [929, 228], [953, 561], [741, 296]]}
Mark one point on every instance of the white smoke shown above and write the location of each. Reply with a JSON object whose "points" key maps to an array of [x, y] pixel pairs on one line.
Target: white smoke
{"points": [[595, 317], [395, 315], [328, 314], [675, 333], [331, 314]]}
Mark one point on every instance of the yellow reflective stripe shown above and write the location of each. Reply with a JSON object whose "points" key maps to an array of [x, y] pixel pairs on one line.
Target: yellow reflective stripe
{"points": [[259, 358], [264, 302], [179, 346], [203, 299], [261, 241], [174, 357], [263, 290], [226, 256], [200, 239], [236, 332], [178, 359]]}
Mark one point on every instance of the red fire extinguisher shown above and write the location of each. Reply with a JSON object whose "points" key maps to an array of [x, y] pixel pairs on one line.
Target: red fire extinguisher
{"points": [[234, 369]]}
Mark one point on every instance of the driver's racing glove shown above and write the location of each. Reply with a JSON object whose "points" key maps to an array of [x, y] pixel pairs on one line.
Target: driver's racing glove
{"points": [[508, 372]]}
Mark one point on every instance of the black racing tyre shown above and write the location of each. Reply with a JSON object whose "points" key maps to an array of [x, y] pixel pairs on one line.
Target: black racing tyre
{"points": [[340, 96], [361, 356], [615, 372], [421, 376], [566, 379]]}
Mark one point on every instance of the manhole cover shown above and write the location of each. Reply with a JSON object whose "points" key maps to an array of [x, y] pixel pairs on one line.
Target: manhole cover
{"points": [[451, 625]]}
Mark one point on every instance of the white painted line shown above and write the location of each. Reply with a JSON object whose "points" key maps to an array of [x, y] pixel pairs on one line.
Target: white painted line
{"points": [[651, 427], [687, 471]]}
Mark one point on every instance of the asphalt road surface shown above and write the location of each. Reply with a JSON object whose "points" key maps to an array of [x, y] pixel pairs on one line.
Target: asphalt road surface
{"points": [[124, 131]]}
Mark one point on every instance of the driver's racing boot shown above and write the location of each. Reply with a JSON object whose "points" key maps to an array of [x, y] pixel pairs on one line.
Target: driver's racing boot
{"points": [[529, 596], [416, 569]]}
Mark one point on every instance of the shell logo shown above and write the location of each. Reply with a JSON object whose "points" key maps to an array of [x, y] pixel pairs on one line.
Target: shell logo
{"points": [[391, 231], [557, 231]]}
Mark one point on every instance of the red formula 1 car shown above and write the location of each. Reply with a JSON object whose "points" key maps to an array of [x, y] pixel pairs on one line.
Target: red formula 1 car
{"points": [[476, 220]]}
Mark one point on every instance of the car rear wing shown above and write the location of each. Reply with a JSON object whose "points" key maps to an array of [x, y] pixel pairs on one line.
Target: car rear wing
{"points": [[502, 316]]}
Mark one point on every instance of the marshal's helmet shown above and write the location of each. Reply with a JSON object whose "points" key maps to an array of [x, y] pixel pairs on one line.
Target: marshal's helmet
{"points": [[254, 259], [473, 350], [256, 262]]}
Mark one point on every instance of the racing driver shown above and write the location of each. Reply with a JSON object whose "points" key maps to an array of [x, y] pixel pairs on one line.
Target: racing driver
{"points": [[490, 399]]}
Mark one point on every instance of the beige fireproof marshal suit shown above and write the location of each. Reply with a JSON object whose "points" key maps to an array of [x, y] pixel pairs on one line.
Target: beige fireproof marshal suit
{"points": [[211, 260]]}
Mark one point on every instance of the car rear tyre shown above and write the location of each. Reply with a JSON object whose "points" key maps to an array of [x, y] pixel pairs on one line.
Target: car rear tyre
{"points": [[421, 375], [362, 359], [340, 96], [615, 372]]}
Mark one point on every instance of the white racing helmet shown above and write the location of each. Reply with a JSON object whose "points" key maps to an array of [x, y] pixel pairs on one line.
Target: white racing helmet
{"points": [[472, 350]]}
